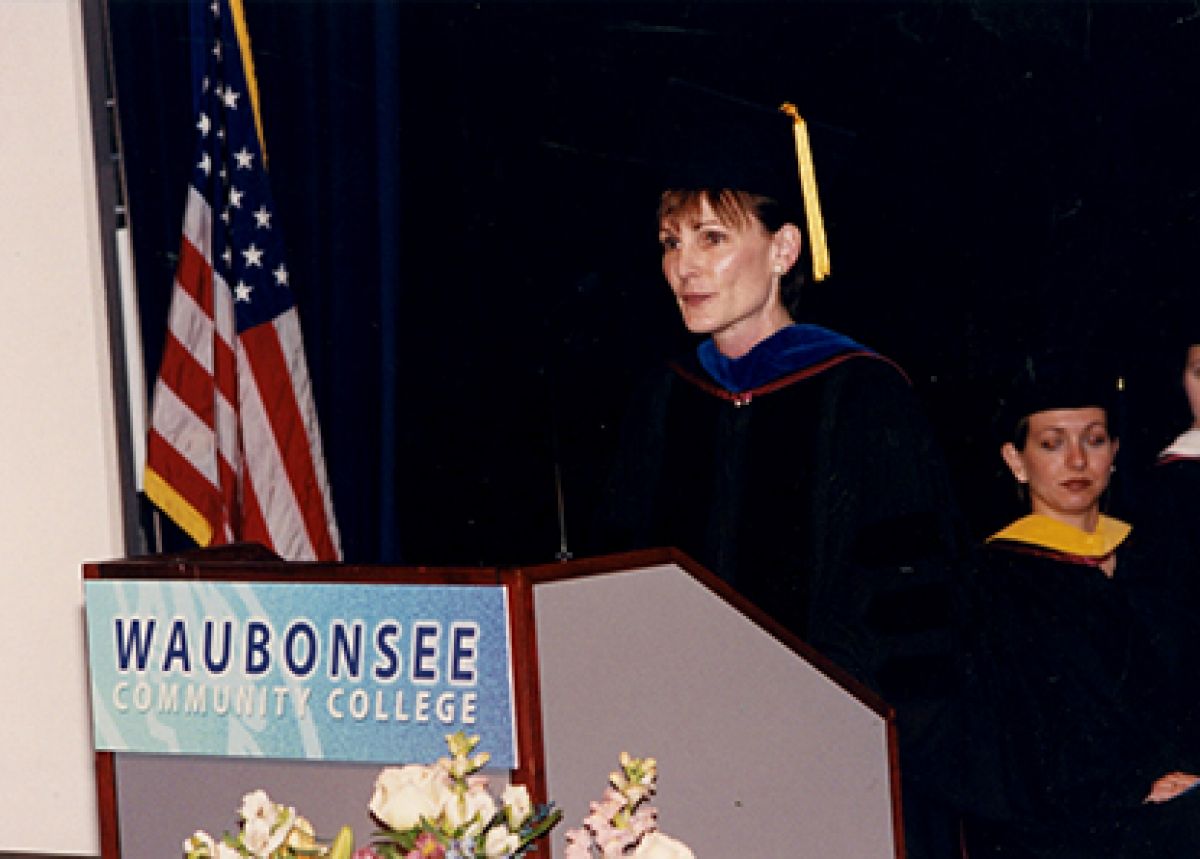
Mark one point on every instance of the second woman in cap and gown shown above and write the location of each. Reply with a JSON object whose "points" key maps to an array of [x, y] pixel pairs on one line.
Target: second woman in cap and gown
{"points": [[1074, 744]]}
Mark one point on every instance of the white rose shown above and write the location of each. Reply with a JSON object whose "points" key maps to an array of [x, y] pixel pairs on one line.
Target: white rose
{"points": [[476, 807], [224, 851], [404, 795], [201, 844], [500, 842], [256, 835], [263, 837], [257, 806], [658, 846], [517, 805]]}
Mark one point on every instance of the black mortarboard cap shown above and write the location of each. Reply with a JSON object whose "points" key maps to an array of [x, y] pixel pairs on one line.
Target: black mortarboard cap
{"points": [[707, 139], [1049, 382]]}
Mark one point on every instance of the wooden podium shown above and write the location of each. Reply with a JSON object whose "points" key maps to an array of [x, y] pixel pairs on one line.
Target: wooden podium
{"points": [[764, 747]]}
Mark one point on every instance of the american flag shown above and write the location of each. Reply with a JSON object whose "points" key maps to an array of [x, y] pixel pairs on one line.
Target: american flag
{"points": [[234, 448]]}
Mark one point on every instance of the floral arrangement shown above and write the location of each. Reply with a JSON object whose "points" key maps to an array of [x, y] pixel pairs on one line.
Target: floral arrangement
{"points": [[268, 831], [443, 811], [622, 824]]}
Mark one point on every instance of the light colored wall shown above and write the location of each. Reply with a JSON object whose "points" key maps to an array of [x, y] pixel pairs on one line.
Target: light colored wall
{"points": [[59, 502]]}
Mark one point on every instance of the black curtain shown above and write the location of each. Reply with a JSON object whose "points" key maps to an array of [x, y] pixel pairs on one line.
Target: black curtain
{"points": [[476, 267]]}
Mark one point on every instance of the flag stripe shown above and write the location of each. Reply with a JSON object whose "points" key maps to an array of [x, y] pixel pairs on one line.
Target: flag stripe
{"points": [[206, 476], [254, 527], [192, 325], [209, 312], [194, 278], [190, 436], [283, 423], [277, 502], [185, 405], [287, 326], [188, 381], [208, 395], [197, 224], [188, 483], [190, 317]]}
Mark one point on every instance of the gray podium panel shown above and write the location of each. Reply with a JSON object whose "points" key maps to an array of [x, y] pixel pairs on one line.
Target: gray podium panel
{"points": [[759, 752], [165, 798]]}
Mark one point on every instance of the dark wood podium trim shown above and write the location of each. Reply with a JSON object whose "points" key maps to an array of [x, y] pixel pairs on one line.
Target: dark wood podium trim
{"points": [[531, 751], [106, 802]]}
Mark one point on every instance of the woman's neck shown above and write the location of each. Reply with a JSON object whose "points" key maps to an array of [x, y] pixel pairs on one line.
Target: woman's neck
{"points": [[1087, 521]]}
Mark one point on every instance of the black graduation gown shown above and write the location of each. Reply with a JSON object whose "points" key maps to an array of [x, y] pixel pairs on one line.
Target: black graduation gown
{"points": [[1166, 519], [1166, 509], [820, 497], [1069, 712]]}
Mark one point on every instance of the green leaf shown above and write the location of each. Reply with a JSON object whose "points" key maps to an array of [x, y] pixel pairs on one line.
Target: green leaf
{"points": [[541, 827], [343, 844]]}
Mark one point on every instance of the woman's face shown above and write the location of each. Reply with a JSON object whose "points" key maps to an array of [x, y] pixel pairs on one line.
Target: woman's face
{"points": [[1191, 382], [726, 278], [1066, 462]]}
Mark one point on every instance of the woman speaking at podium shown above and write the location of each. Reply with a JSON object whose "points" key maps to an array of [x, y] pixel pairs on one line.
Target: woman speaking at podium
{"points": [[789, 459]]}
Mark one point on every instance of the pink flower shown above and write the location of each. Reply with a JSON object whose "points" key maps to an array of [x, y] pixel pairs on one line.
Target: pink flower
{"points": [[603, 811], [579, 844], [365, 853], [645, 819], [616, 842], [427, 847], [622, 825]]}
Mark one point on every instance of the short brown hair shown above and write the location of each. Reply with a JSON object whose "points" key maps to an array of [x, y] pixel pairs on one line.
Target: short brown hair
{"points": [[732, 207]]}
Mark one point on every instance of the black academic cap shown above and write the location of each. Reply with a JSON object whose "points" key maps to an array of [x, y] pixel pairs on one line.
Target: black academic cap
{"points": [[1048, 382], [705, 139]]}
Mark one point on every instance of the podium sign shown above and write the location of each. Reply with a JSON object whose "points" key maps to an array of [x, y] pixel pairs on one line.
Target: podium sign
{"points": [[313, 671]]}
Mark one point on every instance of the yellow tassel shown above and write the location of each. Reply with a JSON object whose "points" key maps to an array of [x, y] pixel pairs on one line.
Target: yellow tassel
{"points": [[808, 187]]}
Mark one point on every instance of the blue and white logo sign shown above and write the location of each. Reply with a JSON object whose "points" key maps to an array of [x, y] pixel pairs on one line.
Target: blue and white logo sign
{"points": [[353, 672]]}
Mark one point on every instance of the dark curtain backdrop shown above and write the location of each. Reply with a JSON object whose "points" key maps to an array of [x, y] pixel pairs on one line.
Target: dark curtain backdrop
{"points": [[477, 272]]}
